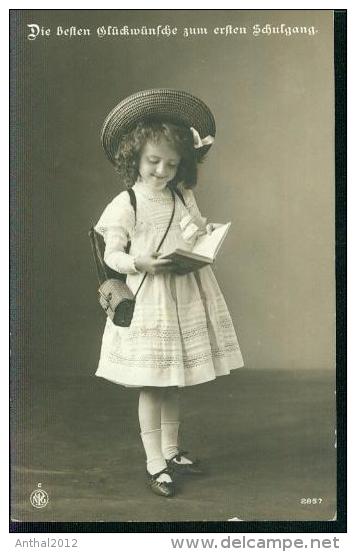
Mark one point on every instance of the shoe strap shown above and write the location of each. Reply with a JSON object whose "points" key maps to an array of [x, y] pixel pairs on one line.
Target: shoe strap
{"points": [[156, 475], [179, 455]]}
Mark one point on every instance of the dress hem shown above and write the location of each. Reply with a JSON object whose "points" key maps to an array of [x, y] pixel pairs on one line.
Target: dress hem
{"points": [[133, 386]]}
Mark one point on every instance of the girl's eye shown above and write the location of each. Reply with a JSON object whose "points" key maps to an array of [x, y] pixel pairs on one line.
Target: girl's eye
{"points": [[156, 161]]}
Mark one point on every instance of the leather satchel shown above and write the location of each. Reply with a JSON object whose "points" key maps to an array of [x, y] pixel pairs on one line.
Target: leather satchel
{"points": [[115, 297]]}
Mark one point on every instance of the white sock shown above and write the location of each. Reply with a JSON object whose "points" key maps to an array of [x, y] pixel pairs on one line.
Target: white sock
{"points": [[169, 439], [170, 422], [152, 444], [170, 442], [149, 413]]}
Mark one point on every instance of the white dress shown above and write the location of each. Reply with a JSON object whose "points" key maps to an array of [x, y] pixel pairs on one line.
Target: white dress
{"points": [[181, 333]]}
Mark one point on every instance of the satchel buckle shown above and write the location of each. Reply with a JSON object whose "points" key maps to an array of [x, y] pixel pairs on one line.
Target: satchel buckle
{"points": [[107, 298]]}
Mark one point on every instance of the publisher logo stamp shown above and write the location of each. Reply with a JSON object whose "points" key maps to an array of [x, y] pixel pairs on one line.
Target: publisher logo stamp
{"points": [[39, 498]]}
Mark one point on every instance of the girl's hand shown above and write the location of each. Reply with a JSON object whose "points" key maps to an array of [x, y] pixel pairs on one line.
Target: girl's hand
{"points": [[153, 265], [209, 228]]}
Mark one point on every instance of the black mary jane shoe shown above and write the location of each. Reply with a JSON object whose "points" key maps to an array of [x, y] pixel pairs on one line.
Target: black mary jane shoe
{"points": [[184, 469], [161, 488]]}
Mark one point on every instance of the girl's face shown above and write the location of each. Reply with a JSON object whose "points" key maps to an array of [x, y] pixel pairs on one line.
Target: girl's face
{"points": [[159, 163]]}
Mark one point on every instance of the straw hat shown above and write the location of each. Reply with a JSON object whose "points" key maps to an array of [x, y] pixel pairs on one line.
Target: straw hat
{"points": [[175, 106]]}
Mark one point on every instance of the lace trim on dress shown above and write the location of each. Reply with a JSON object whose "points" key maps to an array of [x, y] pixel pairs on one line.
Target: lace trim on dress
{"points": [[190, 362], [166, 334]]}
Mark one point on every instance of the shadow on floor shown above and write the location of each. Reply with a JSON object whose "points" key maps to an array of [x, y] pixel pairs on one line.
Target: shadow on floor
{"points": [[266, 439]]}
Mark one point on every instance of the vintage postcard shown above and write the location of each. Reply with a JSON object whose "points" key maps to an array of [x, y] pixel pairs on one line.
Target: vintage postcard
{"points": [[208, 395]]}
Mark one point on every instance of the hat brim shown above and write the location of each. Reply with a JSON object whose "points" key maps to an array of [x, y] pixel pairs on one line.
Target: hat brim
{"points": [[175, 106]]}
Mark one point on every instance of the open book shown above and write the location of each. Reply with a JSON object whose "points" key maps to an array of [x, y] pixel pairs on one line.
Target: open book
{"points": [[203, 253]]}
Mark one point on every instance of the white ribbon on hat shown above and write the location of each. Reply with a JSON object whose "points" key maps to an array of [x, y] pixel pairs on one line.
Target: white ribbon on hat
{"points": [[199, 142]]}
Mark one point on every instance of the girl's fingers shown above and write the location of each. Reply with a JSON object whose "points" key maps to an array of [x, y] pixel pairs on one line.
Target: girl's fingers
{"points": [[212, 226], [163, 262]]}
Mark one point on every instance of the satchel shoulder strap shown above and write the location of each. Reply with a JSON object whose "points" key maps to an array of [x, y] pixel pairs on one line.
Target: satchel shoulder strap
{"points": [[98, 259], [162, 240], [97, 254], [133, 200], [180, 195], [101, 268], [177, 191]]}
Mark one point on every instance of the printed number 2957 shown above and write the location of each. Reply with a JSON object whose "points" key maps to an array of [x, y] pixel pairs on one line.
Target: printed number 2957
{"points": [[311, 500]]}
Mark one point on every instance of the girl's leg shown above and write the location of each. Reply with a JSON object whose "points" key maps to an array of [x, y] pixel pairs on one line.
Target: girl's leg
{"points": [[170, 420], [149, 413]]}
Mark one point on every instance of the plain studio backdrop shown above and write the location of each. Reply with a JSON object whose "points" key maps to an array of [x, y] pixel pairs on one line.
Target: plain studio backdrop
{"points": [[270, 172]]}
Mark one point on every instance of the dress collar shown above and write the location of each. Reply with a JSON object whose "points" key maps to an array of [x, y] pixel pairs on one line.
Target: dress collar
{"points": [[149, 191]]}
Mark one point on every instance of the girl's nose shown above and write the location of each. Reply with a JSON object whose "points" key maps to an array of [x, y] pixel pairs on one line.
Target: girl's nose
{"points": [[160, 169]]}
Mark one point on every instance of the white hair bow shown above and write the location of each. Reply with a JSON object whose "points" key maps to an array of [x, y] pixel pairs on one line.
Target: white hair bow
{"points": [[199, 142]]}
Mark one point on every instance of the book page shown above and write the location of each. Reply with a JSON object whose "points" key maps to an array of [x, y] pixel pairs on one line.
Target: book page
{"points": [[209, 244]]}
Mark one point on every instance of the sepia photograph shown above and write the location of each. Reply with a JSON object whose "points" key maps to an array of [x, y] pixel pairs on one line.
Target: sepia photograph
{"points": [[173, 290]]}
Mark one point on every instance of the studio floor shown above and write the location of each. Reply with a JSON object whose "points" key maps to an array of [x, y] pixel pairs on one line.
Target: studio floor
{"points": [[265, 438]]}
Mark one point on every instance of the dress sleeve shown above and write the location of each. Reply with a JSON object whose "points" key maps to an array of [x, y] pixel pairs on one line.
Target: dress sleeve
{"points": [[116, 225], [193, 208]]}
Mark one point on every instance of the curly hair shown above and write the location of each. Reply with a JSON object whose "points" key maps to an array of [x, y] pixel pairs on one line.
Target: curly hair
{"points": [[131, 145]]}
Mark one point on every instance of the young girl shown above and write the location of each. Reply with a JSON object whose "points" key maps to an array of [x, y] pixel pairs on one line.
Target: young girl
{"points": [[181, 333]]}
